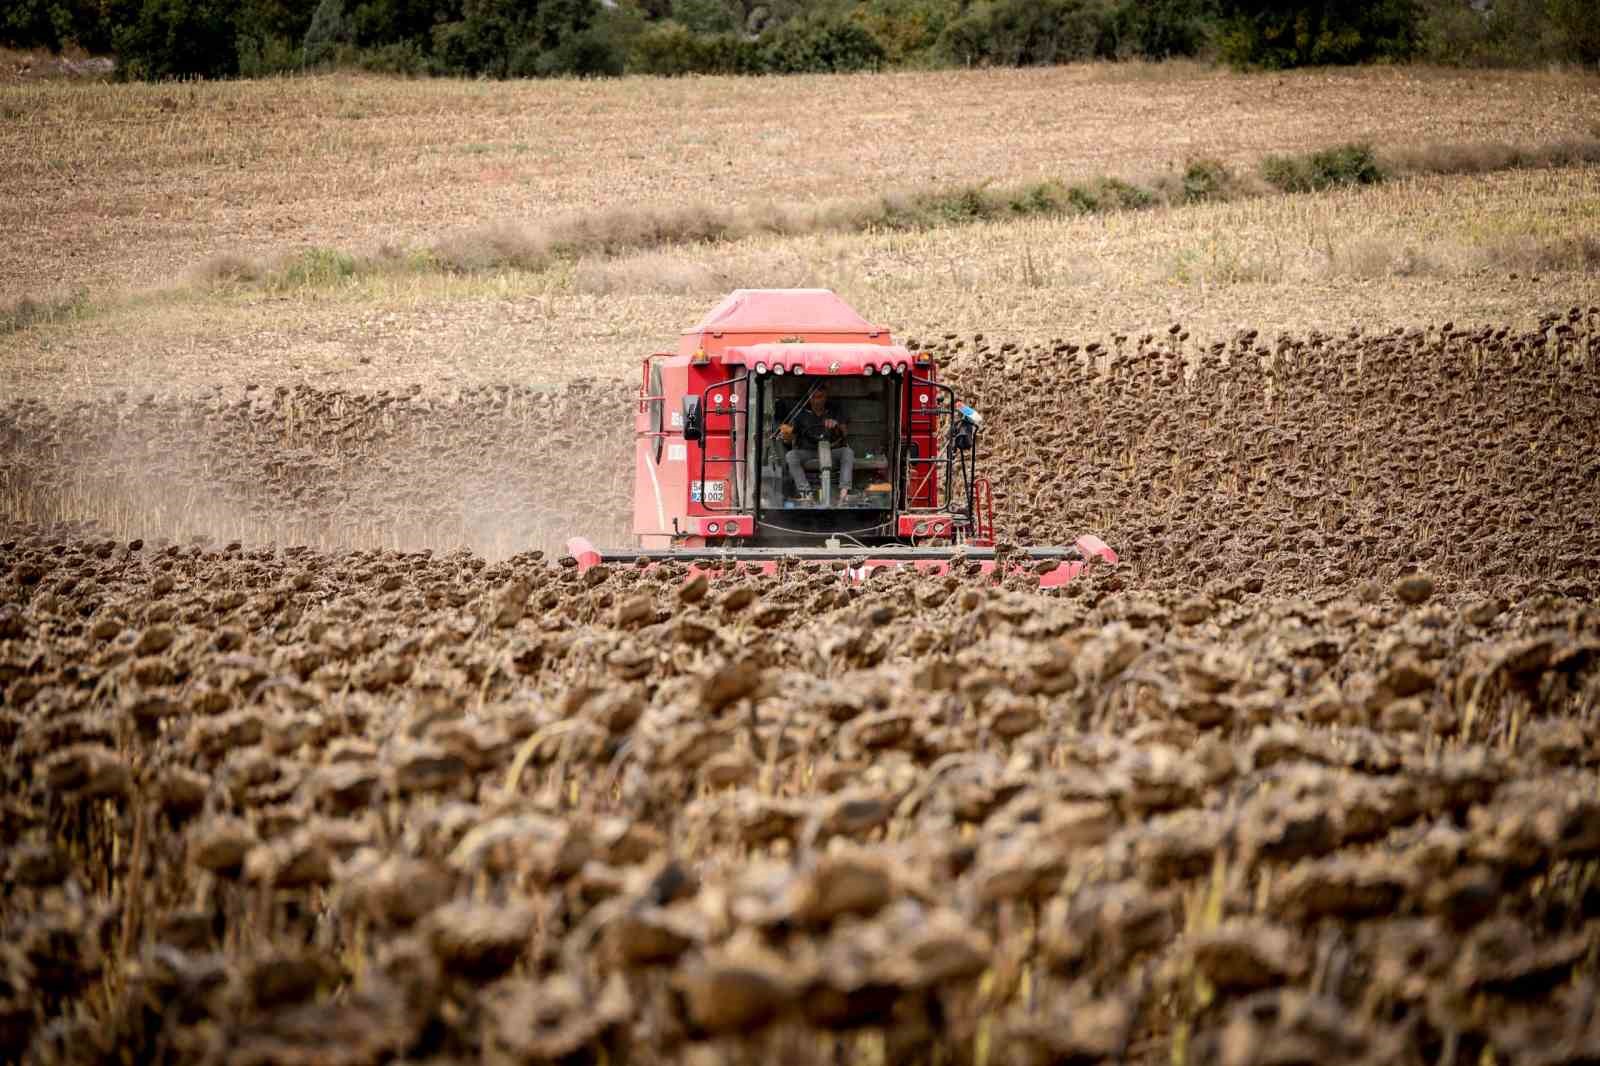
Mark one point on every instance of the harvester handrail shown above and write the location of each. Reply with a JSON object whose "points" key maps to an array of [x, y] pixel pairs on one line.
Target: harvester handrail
{"points": [[983, 513], [968, 463], [644, 379], [735, 459]]}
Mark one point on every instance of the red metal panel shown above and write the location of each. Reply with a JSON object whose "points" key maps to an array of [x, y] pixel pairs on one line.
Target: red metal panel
{"points": [[791, 310], [823, 360], [932, 525], [921, 428]]}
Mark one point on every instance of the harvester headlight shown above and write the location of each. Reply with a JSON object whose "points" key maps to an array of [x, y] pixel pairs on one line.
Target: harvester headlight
{"points": [[761, 368], [712, 527], [798, 368], [777, 368], [921, 528], [716, 398], [904, 366], [922, 398], [867, 370]]}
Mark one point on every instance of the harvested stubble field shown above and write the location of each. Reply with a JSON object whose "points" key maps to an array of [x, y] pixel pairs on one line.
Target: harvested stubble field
{"points": [[133, 183], [1310, 778], [1498, 248], [177, 236]]}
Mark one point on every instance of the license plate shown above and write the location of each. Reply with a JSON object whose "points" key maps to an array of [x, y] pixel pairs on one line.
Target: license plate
{"points": [[714, 492]]}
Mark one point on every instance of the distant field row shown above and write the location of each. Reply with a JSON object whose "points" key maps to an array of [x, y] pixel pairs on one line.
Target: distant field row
{"points": [[1496, 248], [126, 186]]}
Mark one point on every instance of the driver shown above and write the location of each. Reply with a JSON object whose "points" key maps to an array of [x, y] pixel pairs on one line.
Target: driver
{"points": [[817, 421]]}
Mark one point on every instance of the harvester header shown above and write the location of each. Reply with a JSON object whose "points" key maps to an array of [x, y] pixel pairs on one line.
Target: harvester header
{"points": [[786, 425]]}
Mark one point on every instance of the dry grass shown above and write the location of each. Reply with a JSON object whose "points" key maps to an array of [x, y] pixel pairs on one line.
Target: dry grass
{"points": [[130, 185], [1412, 251]]}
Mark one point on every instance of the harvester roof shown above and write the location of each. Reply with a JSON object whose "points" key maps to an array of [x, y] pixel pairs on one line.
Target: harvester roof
{"points": [[790, 310]]}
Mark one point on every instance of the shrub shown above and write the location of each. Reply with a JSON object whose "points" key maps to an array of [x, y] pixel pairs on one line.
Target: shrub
{"points": [[668, 48], [54, 24], [907, 29], [498, 38], [315, 266], [1577, 29], [820, 44], [587, 53], [1040, 198], [704, 16], [329, 29], [1351, 164], [1162, 29], [178, 38], [969, 204], [1082, 198], [261, 56], [1275, 35], [482, 40], [1206, 179], [381, 23], [1029, 33], [1114, 193], [1511, 32], [24, 312], [398, 57]]}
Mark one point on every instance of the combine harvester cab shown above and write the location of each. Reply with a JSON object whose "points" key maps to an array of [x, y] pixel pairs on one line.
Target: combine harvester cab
{"points": [[714, 483]]}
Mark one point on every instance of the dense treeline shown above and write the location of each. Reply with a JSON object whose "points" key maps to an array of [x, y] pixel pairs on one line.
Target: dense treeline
{"points": [[516, 38]]}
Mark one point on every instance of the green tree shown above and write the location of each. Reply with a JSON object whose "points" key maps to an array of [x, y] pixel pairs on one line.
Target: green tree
{"points": [[820, 43], [1298, 33], [1577, 25], [268, 34], [1161, 29], [484, 38], [54, 24], [1029, 33], [387, 22], [328, 30], [176, 39], [706, 16]]}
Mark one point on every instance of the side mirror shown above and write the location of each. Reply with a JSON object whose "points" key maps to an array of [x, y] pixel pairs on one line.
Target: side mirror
{"points": [[691, 418]]}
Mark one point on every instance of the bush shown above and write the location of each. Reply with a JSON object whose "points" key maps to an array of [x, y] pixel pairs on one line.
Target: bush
{"points": [[588, 53], [1029, 33], [704, 17], [1040, 198], [55, 24], [1352, 164], [1274, 35], [1116, 194], [1511, 32], [668, 48], [329, 29], [1206, 179], [1577, 29], [314, 267], [399, 57], [482, 40], [263, 56], [908, 30], [820, 44], [1162, 29], [382, 23], [178, 38]]}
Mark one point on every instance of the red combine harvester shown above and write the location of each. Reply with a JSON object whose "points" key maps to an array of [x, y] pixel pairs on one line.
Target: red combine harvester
{"points": [[740, 432]]}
